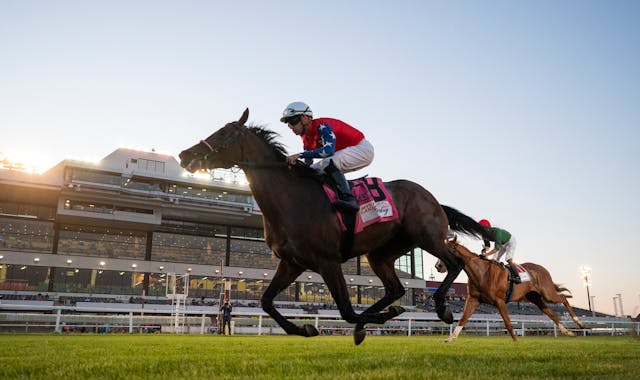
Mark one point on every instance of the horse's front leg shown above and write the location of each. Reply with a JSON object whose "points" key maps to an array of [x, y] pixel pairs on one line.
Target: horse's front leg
{"points": [[470, 306], [504, 312], [285, 274]]}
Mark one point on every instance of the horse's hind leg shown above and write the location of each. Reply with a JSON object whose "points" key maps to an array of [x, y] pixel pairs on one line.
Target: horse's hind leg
{"points": [[286, 273], [384, 269], [537, 300], [578, 322], [334, 279], [454, 267], [470, 306]]}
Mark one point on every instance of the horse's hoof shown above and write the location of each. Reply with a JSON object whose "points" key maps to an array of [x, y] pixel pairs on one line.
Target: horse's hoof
{"points": [[396, 310], [445, 315], [310, 331], [359, 334]]}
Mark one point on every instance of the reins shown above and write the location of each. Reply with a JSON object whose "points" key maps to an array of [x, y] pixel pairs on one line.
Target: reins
{"points": [[241, 163]]}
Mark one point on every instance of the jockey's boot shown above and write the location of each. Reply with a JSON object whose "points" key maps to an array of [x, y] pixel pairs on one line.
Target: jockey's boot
{"points": [[514, 273], [346, 202]]}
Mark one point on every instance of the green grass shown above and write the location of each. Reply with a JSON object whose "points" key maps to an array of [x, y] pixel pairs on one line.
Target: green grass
{"points": [[279, 357]]}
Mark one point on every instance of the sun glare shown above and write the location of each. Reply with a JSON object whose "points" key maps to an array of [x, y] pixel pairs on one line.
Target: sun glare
{"points": [[29, 162]]}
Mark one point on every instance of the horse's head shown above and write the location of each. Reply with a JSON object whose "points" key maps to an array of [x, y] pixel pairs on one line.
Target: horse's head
{"points": [[220, 150], [440, 267], [452, 246]]}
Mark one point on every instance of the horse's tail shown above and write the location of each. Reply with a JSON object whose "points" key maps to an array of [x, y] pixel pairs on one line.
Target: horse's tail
{"points": [[462, 223], [560, 289]]}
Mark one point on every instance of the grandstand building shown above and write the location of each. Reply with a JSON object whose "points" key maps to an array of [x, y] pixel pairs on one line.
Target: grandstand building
{"points": [[118, 227]]}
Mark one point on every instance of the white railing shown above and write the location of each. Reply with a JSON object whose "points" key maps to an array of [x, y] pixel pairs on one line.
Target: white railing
{"points": [[133, 318]]}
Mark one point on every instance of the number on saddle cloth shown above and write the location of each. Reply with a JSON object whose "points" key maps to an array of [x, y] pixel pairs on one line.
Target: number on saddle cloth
{"points": [[376, 204]]}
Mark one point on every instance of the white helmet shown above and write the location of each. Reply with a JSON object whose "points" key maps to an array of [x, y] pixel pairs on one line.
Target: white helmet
{"points": [[296, 108]]}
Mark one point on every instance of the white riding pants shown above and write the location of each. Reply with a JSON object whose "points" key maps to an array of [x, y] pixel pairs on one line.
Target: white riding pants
{"points": [[507, 250], [348, 159]]}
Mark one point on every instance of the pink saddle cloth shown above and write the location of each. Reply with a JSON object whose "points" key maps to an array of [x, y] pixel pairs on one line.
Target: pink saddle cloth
{"points": [[376, 204]]}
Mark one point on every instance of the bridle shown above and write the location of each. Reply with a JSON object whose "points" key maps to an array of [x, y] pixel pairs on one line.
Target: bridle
{"points": [[240, 131], [207, 145], [231, 139]]}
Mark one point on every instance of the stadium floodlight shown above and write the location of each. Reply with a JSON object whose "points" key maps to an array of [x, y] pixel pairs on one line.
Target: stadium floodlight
{"points": [[36, 259], [69, 261], [102, 263], [586, 278], [586, 275], [161, 267], [134, 265]]}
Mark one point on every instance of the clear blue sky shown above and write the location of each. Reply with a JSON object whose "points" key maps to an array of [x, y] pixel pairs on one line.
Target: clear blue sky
{"points": [[525, 113]]}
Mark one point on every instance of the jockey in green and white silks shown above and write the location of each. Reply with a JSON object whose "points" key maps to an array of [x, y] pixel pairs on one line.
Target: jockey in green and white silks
{"points": [[504, 244]]}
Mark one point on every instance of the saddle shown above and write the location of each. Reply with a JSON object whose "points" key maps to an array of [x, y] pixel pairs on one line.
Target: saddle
{"points": [[376, 206], [524, 276]]}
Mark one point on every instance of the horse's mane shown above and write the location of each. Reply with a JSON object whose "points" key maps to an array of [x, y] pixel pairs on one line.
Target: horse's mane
{"points": [[269, 137], [481, 257]]}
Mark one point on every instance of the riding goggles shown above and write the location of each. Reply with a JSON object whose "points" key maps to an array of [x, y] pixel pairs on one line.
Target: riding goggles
{"points": [[294, 120]]}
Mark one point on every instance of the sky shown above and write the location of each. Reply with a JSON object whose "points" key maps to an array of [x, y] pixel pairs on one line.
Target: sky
{"points": [[524, 113]]}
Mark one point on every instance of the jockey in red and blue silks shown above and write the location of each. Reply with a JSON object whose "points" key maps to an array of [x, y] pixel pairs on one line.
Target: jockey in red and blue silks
{"points": [[338, 146]]}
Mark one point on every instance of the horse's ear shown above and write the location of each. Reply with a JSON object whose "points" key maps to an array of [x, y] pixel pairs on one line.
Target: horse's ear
{"points": [[244, 117]]}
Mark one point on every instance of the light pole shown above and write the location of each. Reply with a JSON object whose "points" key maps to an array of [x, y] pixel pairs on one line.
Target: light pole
{"points": [[586, 277], [593, 304], [620, 302], [615, 306]]}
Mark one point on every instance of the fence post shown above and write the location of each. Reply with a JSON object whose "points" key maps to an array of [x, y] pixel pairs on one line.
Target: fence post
{"points": [[58, 315], [487, 327], [409, 328], [202, 325], [131, 322], [260, 324]]}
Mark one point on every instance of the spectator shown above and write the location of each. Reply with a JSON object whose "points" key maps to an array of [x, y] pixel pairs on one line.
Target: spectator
{"points": [[226, 317]]}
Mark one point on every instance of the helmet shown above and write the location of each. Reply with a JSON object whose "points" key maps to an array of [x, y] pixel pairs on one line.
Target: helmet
{"points": [[484, 223], [296, 108]]}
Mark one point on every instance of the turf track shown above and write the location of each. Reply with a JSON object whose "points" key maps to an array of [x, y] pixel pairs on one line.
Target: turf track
{"points": [[278, 357]]}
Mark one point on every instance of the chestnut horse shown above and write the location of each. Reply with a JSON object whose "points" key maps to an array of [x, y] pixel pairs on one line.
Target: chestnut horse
{"points": [[489, 281], [304, 232]]}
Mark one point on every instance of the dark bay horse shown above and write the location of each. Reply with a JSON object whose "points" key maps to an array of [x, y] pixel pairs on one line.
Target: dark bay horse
{"points": [[488, 282], [304, 232]]}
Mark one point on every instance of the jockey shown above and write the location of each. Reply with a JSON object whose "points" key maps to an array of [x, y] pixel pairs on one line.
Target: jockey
{"points": [[340, 147], [504, 244]]}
